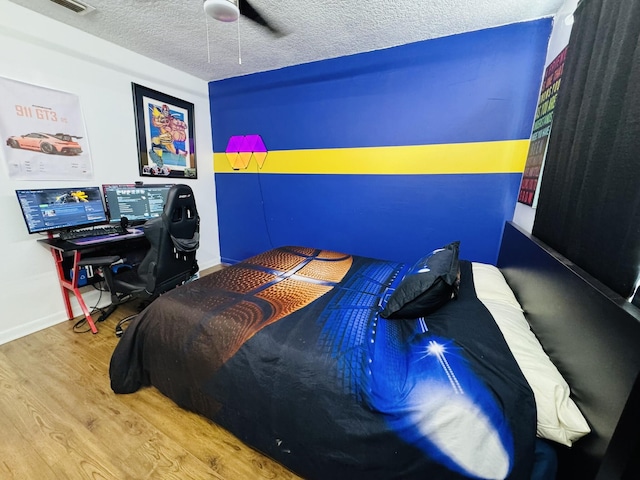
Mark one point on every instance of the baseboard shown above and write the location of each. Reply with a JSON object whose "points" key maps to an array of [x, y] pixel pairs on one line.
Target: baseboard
{"points": [[90, 296], [32, 327]]}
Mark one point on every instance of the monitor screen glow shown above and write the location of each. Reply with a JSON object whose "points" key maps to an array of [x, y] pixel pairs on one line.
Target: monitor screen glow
{"points": [[137, 203], [55, 209]]}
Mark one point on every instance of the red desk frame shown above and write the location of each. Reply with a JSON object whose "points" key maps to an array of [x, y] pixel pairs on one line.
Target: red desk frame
{"points": [[58, 248], [67, 286]]}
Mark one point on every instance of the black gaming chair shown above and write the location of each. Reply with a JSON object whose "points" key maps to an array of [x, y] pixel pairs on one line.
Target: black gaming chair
{"points": [[170, 260]]}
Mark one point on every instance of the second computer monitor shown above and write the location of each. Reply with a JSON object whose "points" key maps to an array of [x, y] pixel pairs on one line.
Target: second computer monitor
{"points": [[137, 203]]}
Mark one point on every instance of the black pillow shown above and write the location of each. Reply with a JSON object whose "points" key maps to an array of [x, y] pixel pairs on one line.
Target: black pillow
{"points": [[430, 283]]}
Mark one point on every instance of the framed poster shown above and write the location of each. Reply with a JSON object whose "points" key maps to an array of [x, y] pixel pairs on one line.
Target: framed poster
{"points": [[166, 138], [539, 140], [42, 133]]}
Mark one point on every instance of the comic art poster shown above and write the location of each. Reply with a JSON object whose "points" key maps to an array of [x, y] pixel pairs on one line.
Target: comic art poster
{"points": [[42, 133], [541, 131], [166, 143]]}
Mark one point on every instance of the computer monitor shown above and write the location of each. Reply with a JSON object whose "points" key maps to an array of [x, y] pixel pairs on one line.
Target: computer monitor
{"points": [[138, 203], [55, 209], [112, 188]]}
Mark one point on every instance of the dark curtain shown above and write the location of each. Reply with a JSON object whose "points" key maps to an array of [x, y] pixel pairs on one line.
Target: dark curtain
{"points": [[589, 203]]}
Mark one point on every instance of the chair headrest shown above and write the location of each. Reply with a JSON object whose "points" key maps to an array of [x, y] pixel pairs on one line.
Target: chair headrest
{"points": [[180, 215], [179, 194]]}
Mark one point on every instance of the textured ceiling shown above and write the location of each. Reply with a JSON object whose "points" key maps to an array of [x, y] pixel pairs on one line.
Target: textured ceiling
{"points": [[177, 32]]}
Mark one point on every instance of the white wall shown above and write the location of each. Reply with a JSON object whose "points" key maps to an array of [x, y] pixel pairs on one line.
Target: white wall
{"points": [[524, 215], [38, 50]]}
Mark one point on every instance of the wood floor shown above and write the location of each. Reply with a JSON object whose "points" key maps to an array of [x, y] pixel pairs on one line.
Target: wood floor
{"points": [[59, 419]]}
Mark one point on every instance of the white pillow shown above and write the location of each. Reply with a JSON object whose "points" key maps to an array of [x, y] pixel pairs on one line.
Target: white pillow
{"points": [[559, 418]]}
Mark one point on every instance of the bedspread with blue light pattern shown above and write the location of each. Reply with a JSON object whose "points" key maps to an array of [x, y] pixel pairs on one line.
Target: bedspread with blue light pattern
{"points": [[286, 350]]}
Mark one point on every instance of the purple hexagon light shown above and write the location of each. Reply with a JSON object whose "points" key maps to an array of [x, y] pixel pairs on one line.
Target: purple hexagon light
{"points": [[241, 148]]}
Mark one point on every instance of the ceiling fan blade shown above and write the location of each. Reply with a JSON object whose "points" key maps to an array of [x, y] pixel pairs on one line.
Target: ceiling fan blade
{"points": [[251, 13]]}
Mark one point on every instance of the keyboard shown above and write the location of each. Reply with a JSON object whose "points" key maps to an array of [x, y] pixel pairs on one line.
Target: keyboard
{"points": [[115, 229], [109, 237]]}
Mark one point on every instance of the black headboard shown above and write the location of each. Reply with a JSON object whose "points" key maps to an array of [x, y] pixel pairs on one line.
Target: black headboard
{"points": [[593, 337]]}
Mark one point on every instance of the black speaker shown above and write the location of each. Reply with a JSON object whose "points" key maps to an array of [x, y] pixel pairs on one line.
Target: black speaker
{"points": [[124, 222]]}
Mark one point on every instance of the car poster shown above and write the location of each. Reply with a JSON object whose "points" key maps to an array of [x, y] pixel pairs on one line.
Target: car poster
{"points": [[42, 133]]}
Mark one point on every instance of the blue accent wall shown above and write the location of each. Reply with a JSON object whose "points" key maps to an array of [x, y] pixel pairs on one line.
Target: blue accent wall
{"points": [[397, 217], [475, 87]]}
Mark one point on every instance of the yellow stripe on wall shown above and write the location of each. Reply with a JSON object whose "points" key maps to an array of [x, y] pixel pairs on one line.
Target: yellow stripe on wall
{"points": [[484, 157]]}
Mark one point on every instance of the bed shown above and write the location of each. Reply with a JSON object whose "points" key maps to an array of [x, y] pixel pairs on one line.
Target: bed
{"points": [[592, 335], [319, 360]]}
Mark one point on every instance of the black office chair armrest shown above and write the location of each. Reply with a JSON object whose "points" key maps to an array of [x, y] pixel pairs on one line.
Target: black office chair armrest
{"points": [[99, 261]]}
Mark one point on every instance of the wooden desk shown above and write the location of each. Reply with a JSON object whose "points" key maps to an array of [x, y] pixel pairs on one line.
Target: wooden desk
{"points": [[67, 255]]}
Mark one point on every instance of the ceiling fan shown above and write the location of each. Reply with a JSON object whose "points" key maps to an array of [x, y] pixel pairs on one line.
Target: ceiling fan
{"points": [[230, 10]]}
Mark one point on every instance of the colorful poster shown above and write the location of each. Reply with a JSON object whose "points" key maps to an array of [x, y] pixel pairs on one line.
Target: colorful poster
{"points": [[42, 133], [541, 131], [166, 141]]}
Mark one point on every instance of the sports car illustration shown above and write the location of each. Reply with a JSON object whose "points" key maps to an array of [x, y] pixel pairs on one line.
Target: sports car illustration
{"points": [[59, 143]]}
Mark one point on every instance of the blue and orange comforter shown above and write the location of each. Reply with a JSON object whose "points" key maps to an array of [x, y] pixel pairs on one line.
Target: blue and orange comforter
{"points": [[286, 350]]}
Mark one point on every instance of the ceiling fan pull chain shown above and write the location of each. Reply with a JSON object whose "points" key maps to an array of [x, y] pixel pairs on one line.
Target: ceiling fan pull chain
{"points": [[206, 22], [239, 49]]}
